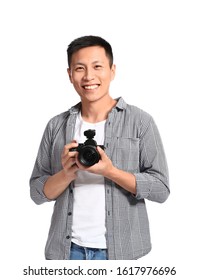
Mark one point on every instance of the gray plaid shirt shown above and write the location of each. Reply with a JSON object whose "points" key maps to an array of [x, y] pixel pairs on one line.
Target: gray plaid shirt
{"points": [[133, 144]]}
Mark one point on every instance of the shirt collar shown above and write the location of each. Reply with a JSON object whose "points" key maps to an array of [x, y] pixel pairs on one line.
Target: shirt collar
{"points": [[121, 104], [75, 109]]}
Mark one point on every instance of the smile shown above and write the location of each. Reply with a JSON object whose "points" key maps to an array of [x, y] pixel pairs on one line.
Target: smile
{"points": [[90, 87]]}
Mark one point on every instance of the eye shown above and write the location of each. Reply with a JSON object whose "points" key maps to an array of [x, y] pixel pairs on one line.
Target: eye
{"points": [[98, 66], [79, 68]]}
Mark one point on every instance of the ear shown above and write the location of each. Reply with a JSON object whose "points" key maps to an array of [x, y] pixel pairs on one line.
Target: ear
{"points": [[69, 74], [113, 70]]}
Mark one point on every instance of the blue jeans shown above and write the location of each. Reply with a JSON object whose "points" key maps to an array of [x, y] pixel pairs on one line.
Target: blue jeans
{"points": [[84, 253]]}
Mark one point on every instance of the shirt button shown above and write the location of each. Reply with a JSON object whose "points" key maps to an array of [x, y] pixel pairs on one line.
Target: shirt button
{"points": [[67, 237], [69, 213]]}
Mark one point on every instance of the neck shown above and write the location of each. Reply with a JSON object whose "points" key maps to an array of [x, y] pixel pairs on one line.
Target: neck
{"points": [[97, 111]]}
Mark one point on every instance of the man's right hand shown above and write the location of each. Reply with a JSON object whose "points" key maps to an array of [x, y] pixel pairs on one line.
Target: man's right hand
{"points": [[68, 160], [57, 183]]}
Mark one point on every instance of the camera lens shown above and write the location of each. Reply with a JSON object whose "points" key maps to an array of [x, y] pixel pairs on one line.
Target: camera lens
{"points": [[88, 156]]}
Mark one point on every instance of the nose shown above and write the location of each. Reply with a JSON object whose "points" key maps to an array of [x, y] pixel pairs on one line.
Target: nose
{"points": [[89, 75]]}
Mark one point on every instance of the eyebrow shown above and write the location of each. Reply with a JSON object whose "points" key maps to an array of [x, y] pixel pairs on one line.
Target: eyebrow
{"points": [[94, 62]]}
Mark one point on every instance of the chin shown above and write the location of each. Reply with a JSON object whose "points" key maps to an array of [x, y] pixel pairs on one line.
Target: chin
{"points": [[90, 97], [94, 98]]}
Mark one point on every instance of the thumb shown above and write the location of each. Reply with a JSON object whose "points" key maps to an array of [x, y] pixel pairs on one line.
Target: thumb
{"points": [[101, 151]]}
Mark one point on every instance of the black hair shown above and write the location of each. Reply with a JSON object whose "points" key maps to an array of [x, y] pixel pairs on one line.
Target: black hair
{"points": [[89, 41]]}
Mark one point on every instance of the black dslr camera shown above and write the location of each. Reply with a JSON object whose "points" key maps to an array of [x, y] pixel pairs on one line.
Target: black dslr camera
{"points": [[88, 154]]}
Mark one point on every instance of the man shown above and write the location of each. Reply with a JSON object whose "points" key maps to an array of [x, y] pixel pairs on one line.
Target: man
{"points": [[99, 210]]}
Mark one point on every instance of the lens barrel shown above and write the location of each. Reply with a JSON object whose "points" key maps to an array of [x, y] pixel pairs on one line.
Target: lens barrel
{"points": [[88, 155]]}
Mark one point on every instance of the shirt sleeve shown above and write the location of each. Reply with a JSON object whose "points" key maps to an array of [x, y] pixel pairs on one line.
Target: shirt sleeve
{"points": [[42, 168], [152, 181]]}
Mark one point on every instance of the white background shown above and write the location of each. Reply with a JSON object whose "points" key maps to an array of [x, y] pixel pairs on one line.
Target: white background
{"points": [[155, 45]]}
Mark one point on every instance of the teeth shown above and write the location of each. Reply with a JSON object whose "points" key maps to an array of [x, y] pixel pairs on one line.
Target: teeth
{"points": [[91, 87]]}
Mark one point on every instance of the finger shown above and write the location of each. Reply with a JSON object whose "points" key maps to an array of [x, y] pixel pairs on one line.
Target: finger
{"points": [[67, 164], [101, 151], [69, 146], [68, 156], [74, 168]]}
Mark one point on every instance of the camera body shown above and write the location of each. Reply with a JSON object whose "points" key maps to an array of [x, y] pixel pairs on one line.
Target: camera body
{"points": [[88, 153]]}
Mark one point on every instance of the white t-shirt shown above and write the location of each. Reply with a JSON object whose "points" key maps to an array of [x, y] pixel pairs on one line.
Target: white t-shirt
{"points": [[88, 228]]}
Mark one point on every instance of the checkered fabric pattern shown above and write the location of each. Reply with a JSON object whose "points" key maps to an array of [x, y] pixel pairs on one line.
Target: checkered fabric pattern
{"points": [[133, 143]]}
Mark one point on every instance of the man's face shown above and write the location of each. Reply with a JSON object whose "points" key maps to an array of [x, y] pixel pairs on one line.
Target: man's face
{"points": [[91, 74]]}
